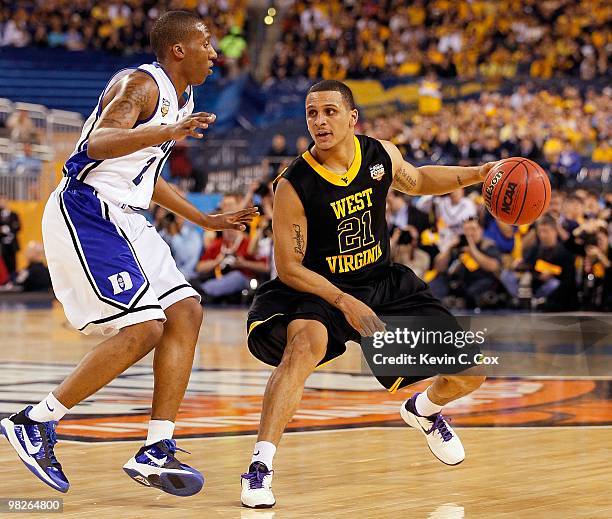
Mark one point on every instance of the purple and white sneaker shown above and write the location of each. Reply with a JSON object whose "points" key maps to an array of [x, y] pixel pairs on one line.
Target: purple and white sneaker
{"points": [[34, 442], [155, 466], [257, 487], [443, 442]]}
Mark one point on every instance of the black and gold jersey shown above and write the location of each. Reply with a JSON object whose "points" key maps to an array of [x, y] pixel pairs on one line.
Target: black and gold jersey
{"points": [[347, 235]]}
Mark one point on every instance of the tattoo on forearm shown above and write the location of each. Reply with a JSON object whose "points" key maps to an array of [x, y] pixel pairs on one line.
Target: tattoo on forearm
{"points": [[338, 299], [298, 238], [404, 180], [459, 183]]}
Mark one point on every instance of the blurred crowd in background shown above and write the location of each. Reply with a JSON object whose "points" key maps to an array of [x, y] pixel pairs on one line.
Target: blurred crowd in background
{"points": [[563, 131], [117, 26], [335, 39]]}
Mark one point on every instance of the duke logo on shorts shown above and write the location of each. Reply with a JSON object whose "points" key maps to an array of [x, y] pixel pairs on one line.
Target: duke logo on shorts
{"points": [[109, 267], [121, 282]]}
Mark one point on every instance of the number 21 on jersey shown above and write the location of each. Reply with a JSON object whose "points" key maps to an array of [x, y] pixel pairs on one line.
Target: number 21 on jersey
{"points": [[355, 233]]}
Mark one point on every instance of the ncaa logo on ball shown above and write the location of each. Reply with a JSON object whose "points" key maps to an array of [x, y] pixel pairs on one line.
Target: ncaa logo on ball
{"points": [[508, 197], [491, 187]]}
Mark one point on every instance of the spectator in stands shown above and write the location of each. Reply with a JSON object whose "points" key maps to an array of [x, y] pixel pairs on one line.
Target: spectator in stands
{"points": [[228, 264], [277, 154], [592, 208], [405, 250], [183, 238], [15, 31], [21, 127], [35, 276], [301, 144], [10, 225], [597, 272], [503, 235], [467, 269], [401, 212], [451, 211], [570, 161], [547, 269], [25, 163], [233, 46], [572, 213]]}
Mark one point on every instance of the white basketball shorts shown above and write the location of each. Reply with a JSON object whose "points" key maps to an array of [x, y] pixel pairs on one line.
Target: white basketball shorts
{"points": [[109, 268]]}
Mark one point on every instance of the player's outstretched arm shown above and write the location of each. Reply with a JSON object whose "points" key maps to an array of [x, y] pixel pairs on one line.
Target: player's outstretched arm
{"points": [[432, 180], [290, 240], [133, 99], [167, 197]]}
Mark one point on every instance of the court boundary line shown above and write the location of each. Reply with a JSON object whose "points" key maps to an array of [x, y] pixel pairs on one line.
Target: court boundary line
{"points": [[373, 428]]}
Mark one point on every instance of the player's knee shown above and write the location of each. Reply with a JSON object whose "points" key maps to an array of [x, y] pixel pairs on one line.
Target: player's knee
{"points": [[144, 336], [192, 312], [187, 313], [305, 350]]}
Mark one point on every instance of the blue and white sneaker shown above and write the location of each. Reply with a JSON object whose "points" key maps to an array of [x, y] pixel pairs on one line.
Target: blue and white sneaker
{"points": [[34, 442], [256, 485], [155, 466], [443, 442]]}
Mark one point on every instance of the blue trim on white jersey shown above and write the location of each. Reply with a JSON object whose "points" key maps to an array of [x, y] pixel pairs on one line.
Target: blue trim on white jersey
{"points": [[162, 161], [80, 164]]}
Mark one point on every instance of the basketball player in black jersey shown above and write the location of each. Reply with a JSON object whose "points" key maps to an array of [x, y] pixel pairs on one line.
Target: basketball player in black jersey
{"points": [[335, 276]]}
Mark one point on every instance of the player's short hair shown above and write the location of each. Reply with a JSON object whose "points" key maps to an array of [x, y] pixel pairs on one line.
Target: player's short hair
{"points": [[331, 85], [171, 28]]}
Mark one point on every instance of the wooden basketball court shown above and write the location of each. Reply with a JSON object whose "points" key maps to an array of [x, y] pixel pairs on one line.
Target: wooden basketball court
{"points": [[534, 448]]}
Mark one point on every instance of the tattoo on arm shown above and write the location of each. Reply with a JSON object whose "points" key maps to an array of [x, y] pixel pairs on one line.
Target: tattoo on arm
{"points": [[125, 109], [338, 299], [298, 238], [459, 183], [404, 180]]}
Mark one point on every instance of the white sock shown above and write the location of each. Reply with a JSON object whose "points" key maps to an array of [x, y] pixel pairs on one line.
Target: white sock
{"points": [[159, 430], [426, 407], [264, 452], [49, 410]]}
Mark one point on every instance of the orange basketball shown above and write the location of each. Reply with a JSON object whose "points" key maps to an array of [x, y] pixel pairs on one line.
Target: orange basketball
{"points": [[516, 191]]}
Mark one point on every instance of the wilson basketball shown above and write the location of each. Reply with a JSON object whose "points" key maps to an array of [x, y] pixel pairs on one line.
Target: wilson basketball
{"points": [[516, 191]]}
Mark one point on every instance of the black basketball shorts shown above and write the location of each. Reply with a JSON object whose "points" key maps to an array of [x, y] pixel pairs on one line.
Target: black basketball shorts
{"points": [[400, 293]]}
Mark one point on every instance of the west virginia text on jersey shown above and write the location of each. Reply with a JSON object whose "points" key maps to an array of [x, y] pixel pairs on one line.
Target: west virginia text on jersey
{"points": [[347, 240]]}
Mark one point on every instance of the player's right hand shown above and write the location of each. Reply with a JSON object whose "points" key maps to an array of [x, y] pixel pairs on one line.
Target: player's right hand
{"points": [[191, 126], [360, 316]]}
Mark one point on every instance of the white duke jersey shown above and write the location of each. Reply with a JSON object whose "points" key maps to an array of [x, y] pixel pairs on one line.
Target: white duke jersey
{"points": [[130, 180]]}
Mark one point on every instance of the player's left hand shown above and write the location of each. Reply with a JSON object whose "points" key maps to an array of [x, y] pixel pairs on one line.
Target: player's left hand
{"points": [[236, 221], [484, 169]]}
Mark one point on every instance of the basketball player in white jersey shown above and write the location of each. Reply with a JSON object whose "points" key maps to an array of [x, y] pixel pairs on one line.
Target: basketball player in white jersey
{"points": [[110, 269]]}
